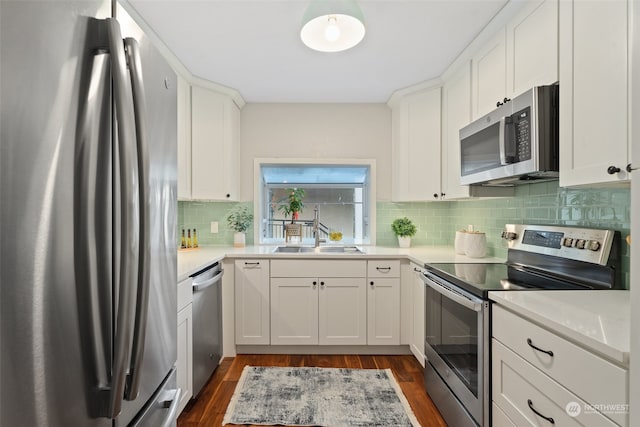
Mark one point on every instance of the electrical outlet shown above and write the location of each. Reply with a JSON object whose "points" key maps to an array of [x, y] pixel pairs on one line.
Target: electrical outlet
{"points": [[214, 227]]}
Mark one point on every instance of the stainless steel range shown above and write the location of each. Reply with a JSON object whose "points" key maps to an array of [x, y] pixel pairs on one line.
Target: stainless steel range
{"points": [[457, 319]]}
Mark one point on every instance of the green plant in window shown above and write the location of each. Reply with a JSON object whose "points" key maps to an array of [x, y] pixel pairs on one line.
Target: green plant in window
{"points": [[292, 203], [403, 227]]}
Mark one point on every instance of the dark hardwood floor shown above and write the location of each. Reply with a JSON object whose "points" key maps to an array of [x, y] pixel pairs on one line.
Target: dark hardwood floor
{"points": [[210, 407]]}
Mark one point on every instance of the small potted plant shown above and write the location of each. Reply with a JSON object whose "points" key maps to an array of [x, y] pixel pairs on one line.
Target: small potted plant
{"points": [[404, 229], [239, 219], [293, 204]]}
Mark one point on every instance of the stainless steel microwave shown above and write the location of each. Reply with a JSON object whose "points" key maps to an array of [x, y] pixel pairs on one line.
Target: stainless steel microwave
{"points": [[514, 144]]}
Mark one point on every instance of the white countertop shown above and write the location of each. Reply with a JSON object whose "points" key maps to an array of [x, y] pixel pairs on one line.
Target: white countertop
{"points": [[192, 260], [599, 320]]}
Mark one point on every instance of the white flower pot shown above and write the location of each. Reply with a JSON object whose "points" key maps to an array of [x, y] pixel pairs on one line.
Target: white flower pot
{"points": [[404, 241], [239, 240]]}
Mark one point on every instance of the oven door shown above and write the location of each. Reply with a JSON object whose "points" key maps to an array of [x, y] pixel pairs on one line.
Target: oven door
{"points": [[457, 342]]}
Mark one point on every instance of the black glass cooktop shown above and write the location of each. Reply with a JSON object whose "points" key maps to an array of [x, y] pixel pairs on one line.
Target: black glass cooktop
{"points": [[479, 279]]}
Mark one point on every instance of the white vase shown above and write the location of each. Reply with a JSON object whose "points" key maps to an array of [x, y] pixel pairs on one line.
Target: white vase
{"points": [[404, 241], [239, 240], [475, 245], [459, 242]]}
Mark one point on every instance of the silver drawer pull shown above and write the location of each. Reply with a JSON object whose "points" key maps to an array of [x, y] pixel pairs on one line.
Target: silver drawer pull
{"points": [[549, 352], [530, 403]]}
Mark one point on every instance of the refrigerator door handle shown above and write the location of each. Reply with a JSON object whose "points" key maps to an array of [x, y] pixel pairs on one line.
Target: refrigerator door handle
{"points": [[127, 241], [140, 326]]}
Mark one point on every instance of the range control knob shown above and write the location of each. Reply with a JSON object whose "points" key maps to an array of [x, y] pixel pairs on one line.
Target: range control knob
{"points": [[567, 242], [594, 245], [580, 243], [509, 235]]}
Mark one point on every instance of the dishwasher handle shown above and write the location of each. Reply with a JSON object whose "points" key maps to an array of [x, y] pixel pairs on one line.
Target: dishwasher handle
{"points": [[199, 286]]}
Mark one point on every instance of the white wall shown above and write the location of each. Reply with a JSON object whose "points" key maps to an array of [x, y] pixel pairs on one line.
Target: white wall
{"points": [[357, 131]]}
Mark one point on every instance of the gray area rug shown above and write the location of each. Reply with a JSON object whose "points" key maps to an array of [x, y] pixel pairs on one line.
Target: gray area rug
{"points": [[319, 397]]}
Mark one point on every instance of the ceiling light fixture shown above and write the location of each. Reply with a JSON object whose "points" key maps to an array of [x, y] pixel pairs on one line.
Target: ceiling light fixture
{"points": [[332, 25]]}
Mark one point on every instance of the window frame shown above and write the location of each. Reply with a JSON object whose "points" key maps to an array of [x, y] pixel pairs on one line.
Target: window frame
{"points": [[258, 195]]}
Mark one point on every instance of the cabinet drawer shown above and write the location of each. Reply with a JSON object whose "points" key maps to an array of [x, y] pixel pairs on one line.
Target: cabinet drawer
{"points": [[593, 378], [499, 418], [185, 294], [383, 268], [519, 389], [318, 268]]}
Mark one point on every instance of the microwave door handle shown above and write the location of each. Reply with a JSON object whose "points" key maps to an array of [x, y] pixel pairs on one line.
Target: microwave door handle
{"points": [[502, 134]]}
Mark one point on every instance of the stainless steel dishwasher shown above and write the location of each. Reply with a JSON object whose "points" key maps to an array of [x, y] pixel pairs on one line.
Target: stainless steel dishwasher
{"points": [[207, 324]]}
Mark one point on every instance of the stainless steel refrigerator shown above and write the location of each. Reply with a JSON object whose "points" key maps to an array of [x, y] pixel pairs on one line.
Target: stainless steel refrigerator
{"points": [[87, 219]]}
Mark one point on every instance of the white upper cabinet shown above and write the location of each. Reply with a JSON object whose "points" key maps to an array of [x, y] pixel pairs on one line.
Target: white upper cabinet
{"points": [[532, 47], [489, 75], [215, 138], [184, 139], [523, 54], [416, 146], [456, 113], [594, 92]]}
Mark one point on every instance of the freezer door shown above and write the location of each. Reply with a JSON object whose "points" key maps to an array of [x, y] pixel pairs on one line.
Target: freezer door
{"points": [[55, 130], [159, 352]]}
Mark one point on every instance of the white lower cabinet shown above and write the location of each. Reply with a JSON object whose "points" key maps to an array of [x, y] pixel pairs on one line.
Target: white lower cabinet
{"points": [[318, 302], [418, 315], [342, 316], [383, 302], [538, 376], [294, 311], [184, 362], [252, 301]]}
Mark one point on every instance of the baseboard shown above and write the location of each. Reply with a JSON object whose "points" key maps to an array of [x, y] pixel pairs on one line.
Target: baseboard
{"points": [[324, 349]]}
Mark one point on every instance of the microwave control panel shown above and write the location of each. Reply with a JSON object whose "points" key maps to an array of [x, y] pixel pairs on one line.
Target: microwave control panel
{"points": [[522, 131]]}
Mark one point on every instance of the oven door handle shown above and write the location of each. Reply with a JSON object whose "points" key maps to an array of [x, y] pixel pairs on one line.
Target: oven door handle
{"points": [[464, 301]]}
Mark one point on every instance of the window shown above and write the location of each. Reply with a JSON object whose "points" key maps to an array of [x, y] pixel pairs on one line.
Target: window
{"points": [[341, 192]]}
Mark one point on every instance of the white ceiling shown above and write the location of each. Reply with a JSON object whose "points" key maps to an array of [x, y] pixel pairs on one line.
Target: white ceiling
{"points": [[254, 46]]}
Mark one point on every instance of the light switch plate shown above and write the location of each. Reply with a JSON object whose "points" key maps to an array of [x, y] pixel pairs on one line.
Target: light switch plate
{"points": [[214, 227]]}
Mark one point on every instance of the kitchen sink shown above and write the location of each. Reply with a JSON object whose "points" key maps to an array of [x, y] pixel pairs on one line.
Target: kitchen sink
{"points": [[319, 250]]}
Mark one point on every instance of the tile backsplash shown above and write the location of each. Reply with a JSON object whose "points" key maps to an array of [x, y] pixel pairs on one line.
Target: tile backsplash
{"points": [[542, 203]]}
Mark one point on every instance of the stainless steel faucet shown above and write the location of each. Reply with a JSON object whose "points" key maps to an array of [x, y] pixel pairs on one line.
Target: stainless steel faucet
{"points": [[316, 221]]}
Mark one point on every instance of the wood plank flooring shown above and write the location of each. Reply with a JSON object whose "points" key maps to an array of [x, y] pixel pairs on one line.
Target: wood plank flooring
{"points": [[210, 407]]}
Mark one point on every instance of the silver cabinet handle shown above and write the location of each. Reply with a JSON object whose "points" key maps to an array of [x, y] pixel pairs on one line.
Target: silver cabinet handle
{"points": [[127, 241], [142, 301]]}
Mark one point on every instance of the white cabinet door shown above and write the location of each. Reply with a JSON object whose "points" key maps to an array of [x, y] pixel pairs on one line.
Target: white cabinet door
{"points": [[594, 92], [383, 311], [489, 75], [252, 301], [342, 316], [184, 139], [456, 113], [184, 362], [418, 332], [532, 47], [214, 146], [294, 311], [416, 146]]}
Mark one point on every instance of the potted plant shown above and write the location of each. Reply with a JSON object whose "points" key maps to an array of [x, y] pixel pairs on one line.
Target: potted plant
{"points": [[239, 219], [293, 202], [404, 229]]}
